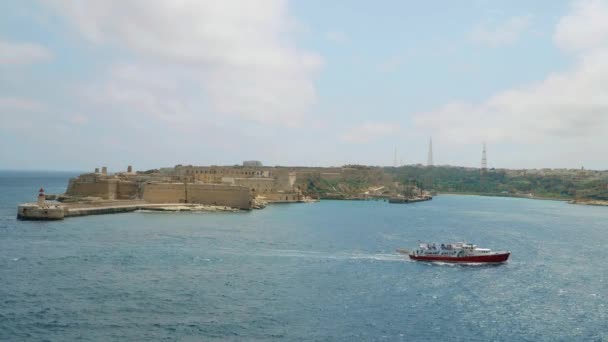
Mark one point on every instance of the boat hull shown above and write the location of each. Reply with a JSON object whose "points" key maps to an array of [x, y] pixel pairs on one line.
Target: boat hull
{"points": [[492, 258]]}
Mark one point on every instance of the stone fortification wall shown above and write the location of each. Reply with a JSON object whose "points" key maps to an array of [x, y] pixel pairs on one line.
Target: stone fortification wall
{"points": [[33, 211], [87, 189], [285, 180], [256, 185], [209, 194], [91, 185], [126, 190], [279, 197], [315, 172], [216, 194], [156, 189], [284, 175], [214, 174], [164, 193]]}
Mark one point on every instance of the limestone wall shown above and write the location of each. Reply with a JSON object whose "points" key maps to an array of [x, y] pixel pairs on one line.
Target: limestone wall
{"points": [[126, 190], [210, 194], [216, 194], [279, 197], [214, 174], [32, 211], [285, 180], [256, 185], [112, 188], [91, 186], [160, 189], [164, 193]]}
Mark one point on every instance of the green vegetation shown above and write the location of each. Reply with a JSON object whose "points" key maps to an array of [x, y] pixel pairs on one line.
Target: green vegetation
{"points": [[559, 184], [334, 188], [356, 180], [353, 181]]}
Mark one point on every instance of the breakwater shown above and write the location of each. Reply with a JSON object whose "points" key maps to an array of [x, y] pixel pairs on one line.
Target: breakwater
{"points": [[32, 211]]}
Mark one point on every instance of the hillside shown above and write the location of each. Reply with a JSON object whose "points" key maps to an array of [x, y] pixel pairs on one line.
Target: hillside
{"points": [[564, 184]]}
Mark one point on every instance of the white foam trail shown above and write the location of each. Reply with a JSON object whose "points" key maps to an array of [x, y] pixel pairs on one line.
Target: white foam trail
{"points": [[291, 253], [380, 257]]}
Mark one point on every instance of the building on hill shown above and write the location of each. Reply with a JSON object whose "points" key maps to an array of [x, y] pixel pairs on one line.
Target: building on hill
{"points": [[252, 163]]}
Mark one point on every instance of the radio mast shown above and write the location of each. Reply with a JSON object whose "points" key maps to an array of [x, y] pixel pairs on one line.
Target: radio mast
{"points": [[484, 160], [429, 161]]}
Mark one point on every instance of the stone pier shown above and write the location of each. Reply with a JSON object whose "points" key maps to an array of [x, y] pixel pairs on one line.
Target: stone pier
{"points": [[31, 211]]}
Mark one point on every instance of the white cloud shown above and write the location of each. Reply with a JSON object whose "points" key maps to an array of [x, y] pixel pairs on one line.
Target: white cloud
{"points": [[565, 105], [12, 53], [337, 37], [225, 57], [157, 91], [368, 131], [585, 28], [506, 33]]}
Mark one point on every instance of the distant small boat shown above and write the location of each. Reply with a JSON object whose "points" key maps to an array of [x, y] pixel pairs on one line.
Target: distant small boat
{"points": [[458, 252]]}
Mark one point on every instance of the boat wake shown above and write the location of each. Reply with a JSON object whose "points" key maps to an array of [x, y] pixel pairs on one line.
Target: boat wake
{"points": [[292, 253], [381, 257]]}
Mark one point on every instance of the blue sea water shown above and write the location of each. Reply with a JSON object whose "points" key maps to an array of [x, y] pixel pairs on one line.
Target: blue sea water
{"points": [[302, 272]]}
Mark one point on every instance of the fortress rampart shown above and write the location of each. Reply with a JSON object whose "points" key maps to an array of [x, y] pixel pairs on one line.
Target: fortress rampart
{"points": [[164, 193], [207, 194], [213, 194], [232, 186], [94, 185]]}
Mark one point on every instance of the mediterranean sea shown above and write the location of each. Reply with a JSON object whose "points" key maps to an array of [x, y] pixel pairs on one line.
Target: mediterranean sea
{"points": [[323, 271]]}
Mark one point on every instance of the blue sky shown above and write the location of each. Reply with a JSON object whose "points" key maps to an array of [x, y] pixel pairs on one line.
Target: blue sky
{"points": [[85, 84]]}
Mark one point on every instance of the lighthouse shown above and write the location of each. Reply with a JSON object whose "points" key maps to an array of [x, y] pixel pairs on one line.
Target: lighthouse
{"points": [[41, 197]]}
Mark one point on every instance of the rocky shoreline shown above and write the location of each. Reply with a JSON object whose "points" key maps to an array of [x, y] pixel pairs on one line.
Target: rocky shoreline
{"points": [[589, 202]]}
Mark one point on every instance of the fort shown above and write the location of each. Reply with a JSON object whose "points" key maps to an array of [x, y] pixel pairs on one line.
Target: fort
{"points": [[178, 188]]}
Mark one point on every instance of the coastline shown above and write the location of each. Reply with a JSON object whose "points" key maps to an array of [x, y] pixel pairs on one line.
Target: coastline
{"points": [[597, 203], [569, 200]]}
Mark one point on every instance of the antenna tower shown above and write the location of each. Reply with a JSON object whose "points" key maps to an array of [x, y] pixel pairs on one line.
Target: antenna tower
{"points": [[429, 161], [484, 159]]}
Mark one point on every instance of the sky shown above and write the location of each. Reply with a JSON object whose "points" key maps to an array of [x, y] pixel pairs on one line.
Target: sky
{"points": [[85, 84]]}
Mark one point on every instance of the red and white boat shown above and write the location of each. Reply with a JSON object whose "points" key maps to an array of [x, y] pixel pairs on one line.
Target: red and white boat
{"points": [[458, 252]]}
